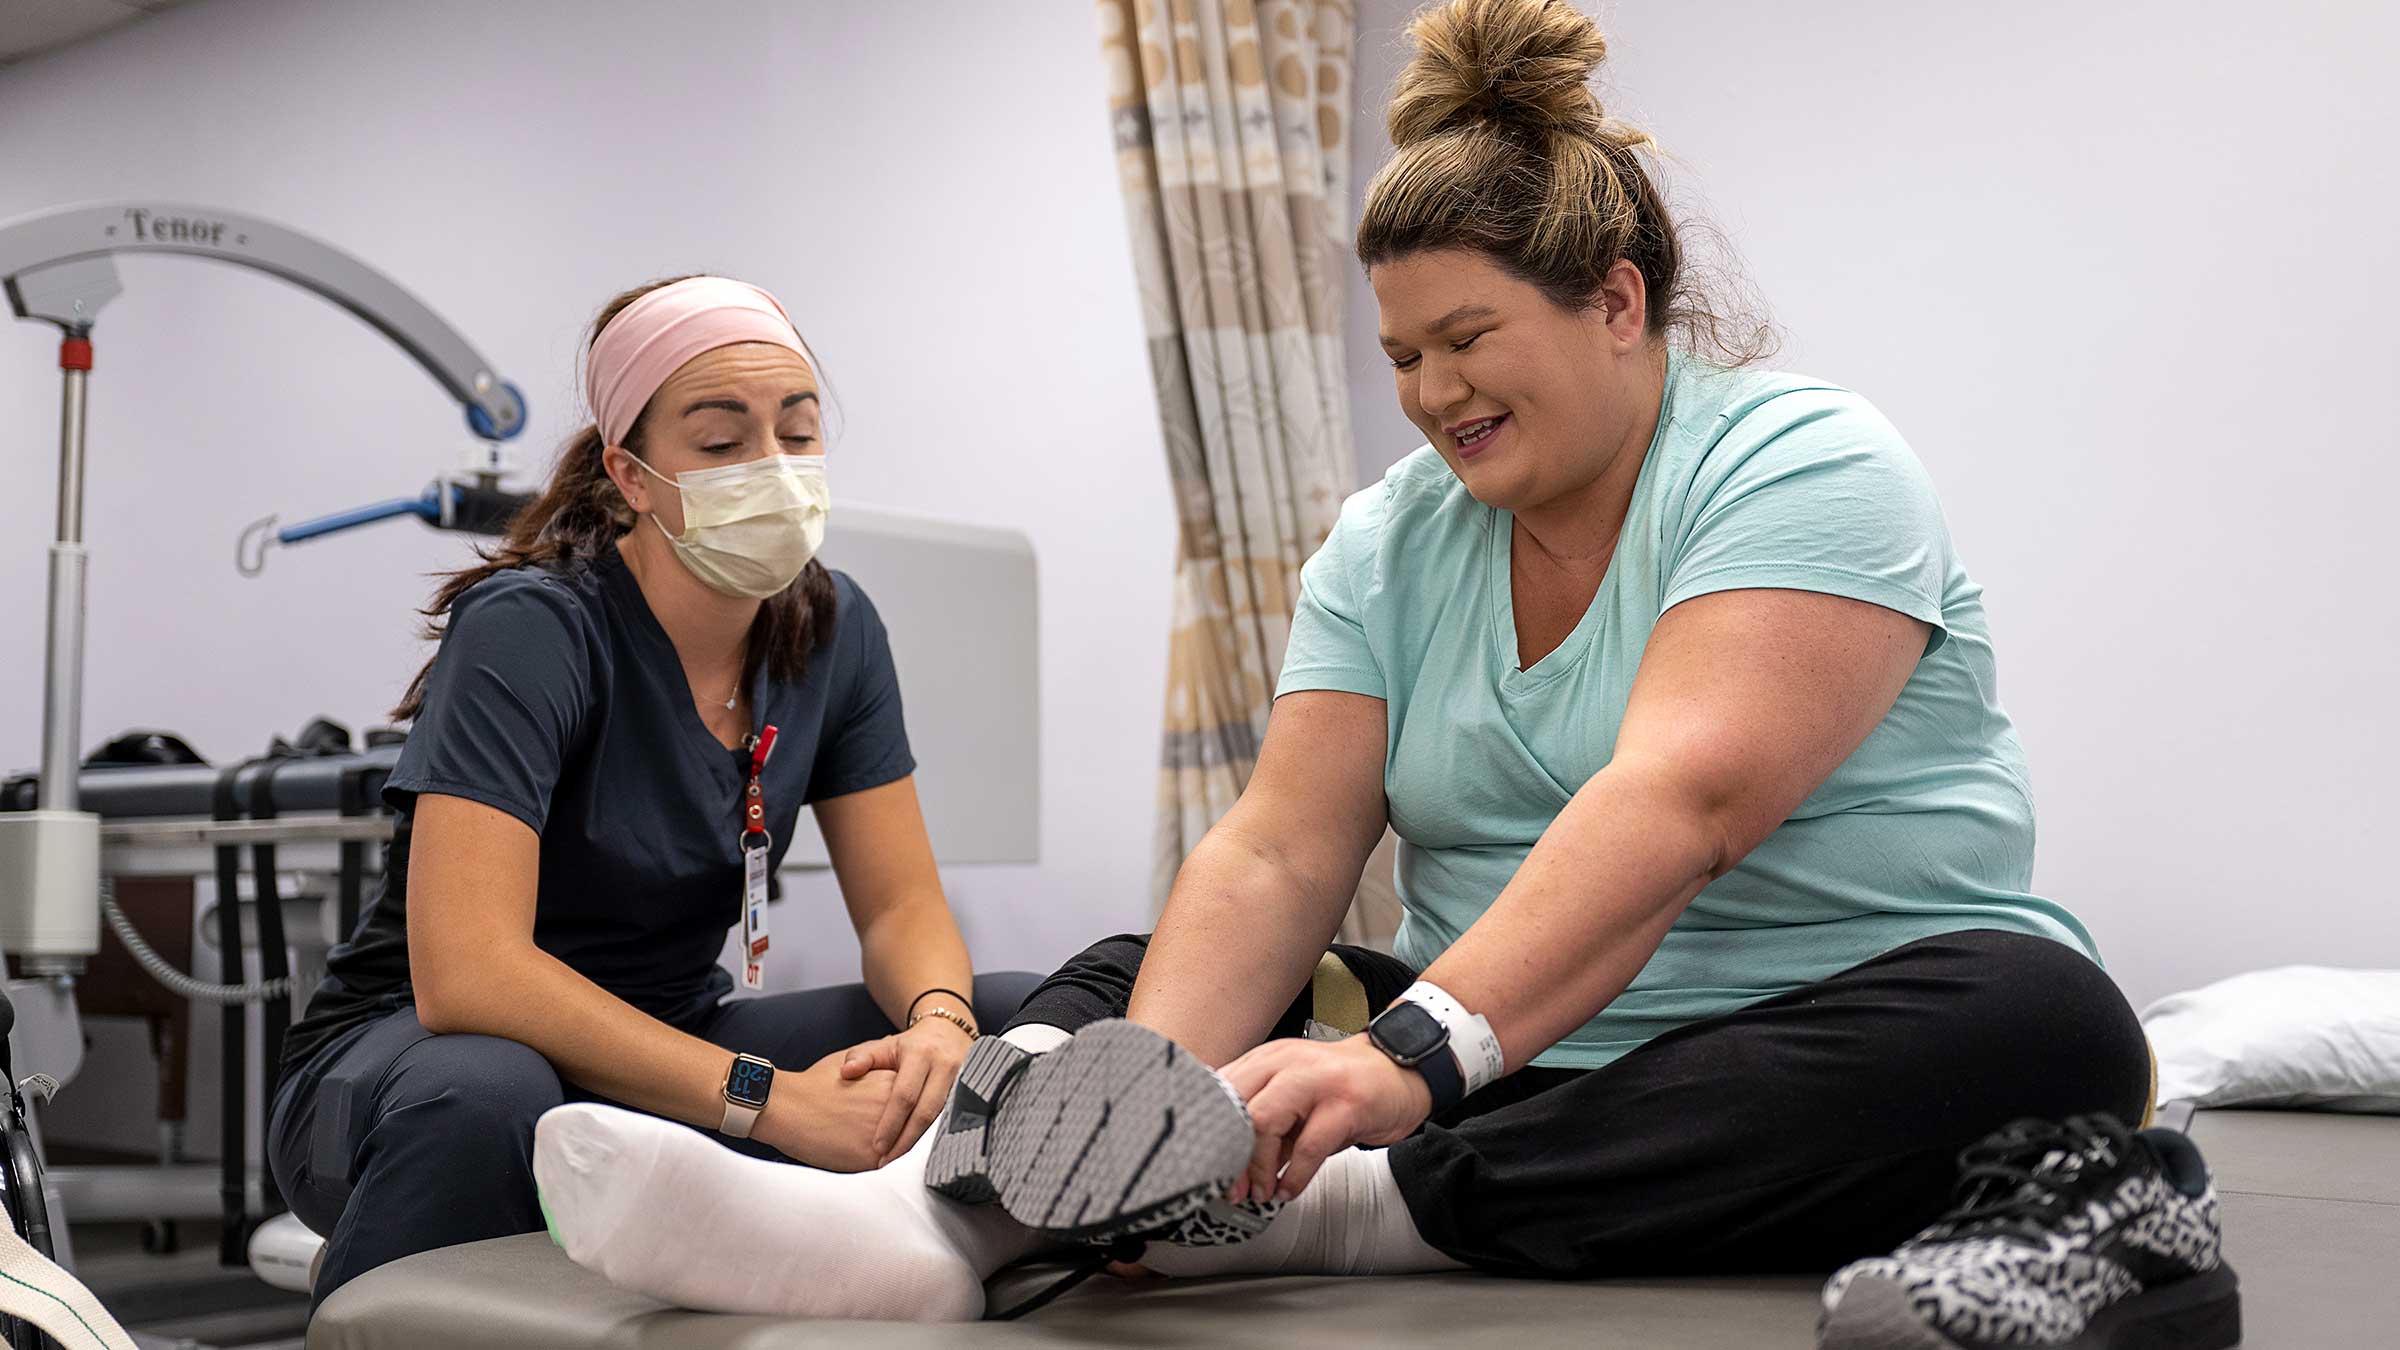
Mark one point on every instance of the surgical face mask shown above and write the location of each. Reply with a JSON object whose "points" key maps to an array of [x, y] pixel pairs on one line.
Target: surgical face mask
{"points": [[750, 528]]}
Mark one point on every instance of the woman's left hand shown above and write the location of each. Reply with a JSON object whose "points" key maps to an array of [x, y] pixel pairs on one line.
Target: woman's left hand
{"points": [[1309, 1099], [925, 1058]]}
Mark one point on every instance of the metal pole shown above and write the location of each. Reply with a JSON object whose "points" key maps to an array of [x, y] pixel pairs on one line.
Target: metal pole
{"points": [[70, 455], [62, 701]]}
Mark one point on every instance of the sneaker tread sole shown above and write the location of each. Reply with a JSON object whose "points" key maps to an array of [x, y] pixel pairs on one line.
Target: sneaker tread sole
{"points": [[1118, 1131], [956, 1165]]}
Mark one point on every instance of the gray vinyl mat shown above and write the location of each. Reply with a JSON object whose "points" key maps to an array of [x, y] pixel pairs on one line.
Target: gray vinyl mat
{"points": [[2307, 1155], [2312, 1218]]}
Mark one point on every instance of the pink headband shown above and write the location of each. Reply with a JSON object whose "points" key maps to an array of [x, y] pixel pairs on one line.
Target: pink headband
{"points": [[651, 338]]}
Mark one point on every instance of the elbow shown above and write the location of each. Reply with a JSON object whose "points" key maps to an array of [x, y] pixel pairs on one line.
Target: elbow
{"points": [[1714, 839], [441, 1012], [454, 996], [1707, 830]]}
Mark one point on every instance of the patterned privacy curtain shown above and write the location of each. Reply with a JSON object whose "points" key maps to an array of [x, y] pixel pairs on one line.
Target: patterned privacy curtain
{"points": [[1232, 134]]}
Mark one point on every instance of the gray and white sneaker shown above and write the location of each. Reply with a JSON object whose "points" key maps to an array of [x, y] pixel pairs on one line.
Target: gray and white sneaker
{"points": [[1117, 1132]]}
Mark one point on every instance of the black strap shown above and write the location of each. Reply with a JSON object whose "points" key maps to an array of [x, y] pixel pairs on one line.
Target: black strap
{"points": [[1441, 1074], [1119, 1249], [274, 1016], [969, 1009], [350, 898], [274, 963], [233, 1025]]}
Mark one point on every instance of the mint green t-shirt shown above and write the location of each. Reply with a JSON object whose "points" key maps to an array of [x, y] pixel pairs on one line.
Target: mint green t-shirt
{"points": [[1754, 480]]}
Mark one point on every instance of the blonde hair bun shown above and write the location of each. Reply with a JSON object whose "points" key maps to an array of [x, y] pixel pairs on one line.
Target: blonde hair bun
{"points": [[1523, 63]]}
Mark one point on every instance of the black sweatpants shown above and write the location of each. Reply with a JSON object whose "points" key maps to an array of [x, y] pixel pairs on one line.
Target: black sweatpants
{"points": [[1793, 1135], [392, 1140]]}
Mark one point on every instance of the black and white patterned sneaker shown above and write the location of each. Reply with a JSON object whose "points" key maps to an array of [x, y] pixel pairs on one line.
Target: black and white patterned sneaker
{"points": [[1117, 1132], [955, 1166], [2080, 1236], [1220, 1222]]}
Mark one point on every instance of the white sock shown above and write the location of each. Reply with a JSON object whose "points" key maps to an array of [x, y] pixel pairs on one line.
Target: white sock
{"points": [[669, 1212], [1350, 1221], [1037, 1038]]}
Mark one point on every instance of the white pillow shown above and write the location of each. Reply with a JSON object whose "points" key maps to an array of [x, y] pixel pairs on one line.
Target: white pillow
{"points": [[2294, 1036]]}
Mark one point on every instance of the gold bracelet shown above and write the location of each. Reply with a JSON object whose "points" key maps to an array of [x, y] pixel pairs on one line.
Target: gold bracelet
{"points": [[948, 1016]]}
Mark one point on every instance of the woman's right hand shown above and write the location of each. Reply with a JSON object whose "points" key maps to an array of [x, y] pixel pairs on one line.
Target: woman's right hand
{"points": [[820, 1118]]}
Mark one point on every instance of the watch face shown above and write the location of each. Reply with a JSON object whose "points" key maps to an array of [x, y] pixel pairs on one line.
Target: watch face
{"points": [[747, 1085], [1408, 1033]]}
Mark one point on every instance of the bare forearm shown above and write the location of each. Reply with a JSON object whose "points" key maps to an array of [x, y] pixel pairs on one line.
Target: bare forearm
{"points": [[1239, 937], [913, 947], [594, 1039], [1584, 912]]}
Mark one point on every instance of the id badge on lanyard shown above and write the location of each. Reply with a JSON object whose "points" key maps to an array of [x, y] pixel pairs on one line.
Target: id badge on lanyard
{"points": [[756, 844]]}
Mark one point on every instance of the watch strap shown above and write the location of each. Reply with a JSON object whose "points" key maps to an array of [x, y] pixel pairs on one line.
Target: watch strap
{"points": [[1477, 1050], [1441, 1075], [739, 1120]]}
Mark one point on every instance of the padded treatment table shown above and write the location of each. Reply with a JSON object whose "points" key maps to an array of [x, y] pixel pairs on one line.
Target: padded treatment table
{"points": [[2312, 1223], [193, 820]]}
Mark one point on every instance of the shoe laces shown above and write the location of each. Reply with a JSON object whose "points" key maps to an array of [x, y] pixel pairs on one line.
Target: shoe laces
{"points": [[2021, 1180], [1127, 1249]]}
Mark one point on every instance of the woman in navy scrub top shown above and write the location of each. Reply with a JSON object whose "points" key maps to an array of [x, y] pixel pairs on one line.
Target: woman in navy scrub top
{"points": [[575, 823]]}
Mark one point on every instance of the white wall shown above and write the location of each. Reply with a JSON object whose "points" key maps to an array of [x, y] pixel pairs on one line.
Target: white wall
{"points": [[1384, 434], [2123, 274], [929, 186]]}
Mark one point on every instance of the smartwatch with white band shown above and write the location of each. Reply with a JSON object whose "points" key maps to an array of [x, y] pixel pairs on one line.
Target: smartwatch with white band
{"points": [[1415, 1039], [747, 1084], [1457, 1055]]}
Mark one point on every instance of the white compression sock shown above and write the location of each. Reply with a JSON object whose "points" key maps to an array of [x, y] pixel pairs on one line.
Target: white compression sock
{"points": [[1350, 1221], [667, 1211]]}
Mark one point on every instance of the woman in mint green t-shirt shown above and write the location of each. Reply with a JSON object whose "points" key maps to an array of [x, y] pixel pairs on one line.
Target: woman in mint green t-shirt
{"points": [[1684, 709], [1716, 847]]}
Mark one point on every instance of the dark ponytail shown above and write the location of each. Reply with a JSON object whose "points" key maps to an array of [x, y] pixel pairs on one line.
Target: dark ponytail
{"points": [[581, 513]]}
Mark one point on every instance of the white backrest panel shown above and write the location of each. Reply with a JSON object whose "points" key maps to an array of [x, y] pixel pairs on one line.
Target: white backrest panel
{"points": [[960, 604]]}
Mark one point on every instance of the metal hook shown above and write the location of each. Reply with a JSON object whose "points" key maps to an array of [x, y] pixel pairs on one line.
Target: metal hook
{"points": [[251, 559]]}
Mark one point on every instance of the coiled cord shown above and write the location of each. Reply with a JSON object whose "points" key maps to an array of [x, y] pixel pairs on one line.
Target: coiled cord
{"points": [[184, 986]]}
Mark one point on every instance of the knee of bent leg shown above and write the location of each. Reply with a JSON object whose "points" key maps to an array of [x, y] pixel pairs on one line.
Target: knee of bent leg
{"points": [[2053, 997], [1125, 949], [474, 1084]]}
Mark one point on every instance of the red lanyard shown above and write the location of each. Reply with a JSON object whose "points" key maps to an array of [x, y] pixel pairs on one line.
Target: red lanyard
{"points": [[754, 802], [756, 844]]}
